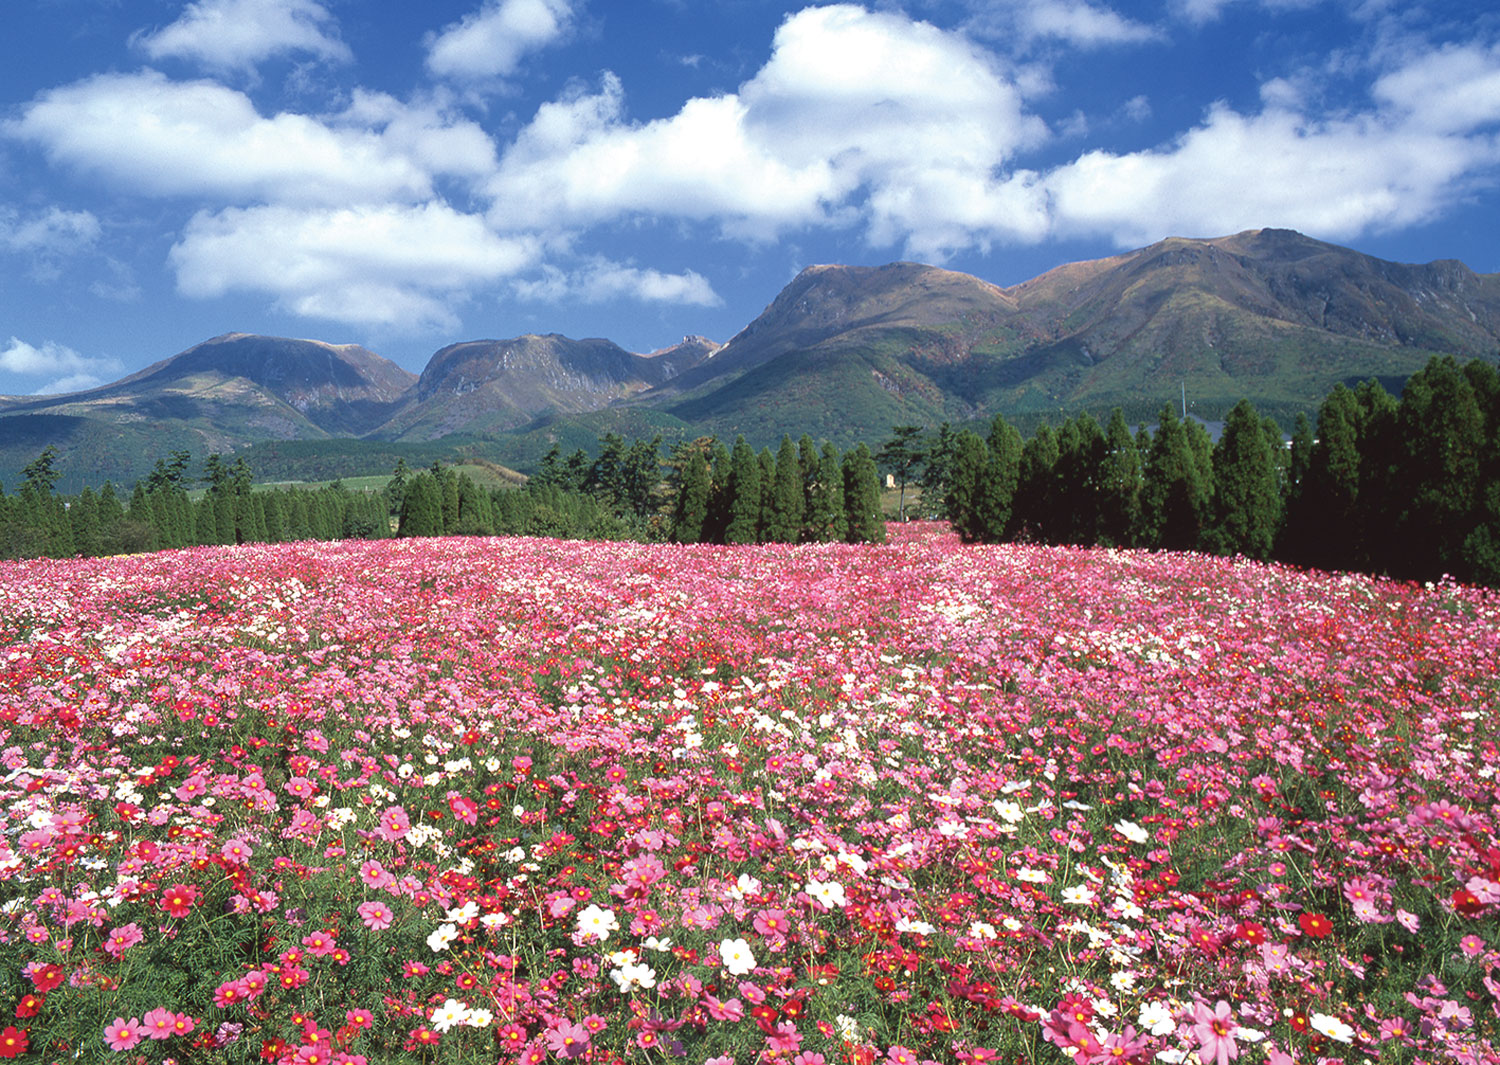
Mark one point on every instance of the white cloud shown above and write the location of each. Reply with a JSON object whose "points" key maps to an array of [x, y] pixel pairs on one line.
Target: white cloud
{"points": [[491, 42], [602, 281], [1450, 90], [199, 138], [235, 35], [1333, 178], [72, 371], [1083, 25], [53, 231], [856, 116], [403, 267]]}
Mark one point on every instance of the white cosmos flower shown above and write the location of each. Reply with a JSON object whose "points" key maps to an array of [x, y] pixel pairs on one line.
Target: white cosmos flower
{"points": [[594, 920], [1009, 810], [448, 1014], [464, 914], [1079, 895], [736, 956], [1332, 1027], [1132, 831], [631, 976], [829, 892], [442, 936], [1156, 1017]]}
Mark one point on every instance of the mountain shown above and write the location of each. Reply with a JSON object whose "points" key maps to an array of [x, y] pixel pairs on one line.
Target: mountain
{"points": [[220, 395], [485, 386], [842, 352], [1269, 314]]}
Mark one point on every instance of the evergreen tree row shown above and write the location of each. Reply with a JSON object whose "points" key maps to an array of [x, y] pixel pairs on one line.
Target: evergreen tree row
{"points": [[706, 493], [1408, 488], [798, 494], [162, 513]]}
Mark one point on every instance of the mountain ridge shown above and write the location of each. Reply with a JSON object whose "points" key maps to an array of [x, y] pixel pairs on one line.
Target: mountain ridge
{"points": [[842, 352]]}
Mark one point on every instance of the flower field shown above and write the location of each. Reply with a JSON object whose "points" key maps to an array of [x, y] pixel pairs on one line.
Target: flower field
{"points": [[481, 800]]}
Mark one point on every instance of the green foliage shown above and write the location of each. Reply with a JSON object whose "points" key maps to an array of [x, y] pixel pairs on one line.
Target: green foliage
{"points": [[743, 494], [1245, 513], [422, 507], [1174, 495], [865, 523]]}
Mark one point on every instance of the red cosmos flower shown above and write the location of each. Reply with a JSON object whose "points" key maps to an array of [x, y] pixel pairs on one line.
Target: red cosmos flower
{"points": [[1251, 932], [1467, 903], [13, 1042], [178, 899], [30, 1005], [46, 977], [1315, 925]]}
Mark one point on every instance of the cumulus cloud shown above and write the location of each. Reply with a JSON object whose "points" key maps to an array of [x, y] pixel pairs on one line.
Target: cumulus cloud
{"points": [[200, 138], [235, 35], [402, 267], [71, 372], [1404, 161], [857, 116], [492, 41], [602, 281]]}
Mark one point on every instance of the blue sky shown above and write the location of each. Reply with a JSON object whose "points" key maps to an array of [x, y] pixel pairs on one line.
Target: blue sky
{"points": [[406, 175]]}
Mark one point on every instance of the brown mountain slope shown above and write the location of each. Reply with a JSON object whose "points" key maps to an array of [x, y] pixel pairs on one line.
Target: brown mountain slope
{"points": [[1269, 314], [491, 385]]}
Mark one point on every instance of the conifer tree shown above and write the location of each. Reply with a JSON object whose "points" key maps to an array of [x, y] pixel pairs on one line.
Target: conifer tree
{"points": [[866, 524], [784, 522], [83, 516], [721, 468], [1034, 515], [1246, 506], [422, 507], [475, 517], [1441, 431], [1119, 484], [272, 516], [968, 486], [743, 495], [690, 509], [826, 520], [807, 465], [767, 463], [1174, 495], [1081, 454]]}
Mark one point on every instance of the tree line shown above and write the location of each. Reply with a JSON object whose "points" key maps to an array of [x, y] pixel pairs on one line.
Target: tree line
{"points": [[162, 512], [1408, 488], [702, 492]]}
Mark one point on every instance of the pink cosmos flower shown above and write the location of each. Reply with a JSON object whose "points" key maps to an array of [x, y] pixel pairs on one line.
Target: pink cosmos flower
{"points": [[230, 993], [123, 938], [320, 944], [159, 1023], [377, 916], [395, 823], [785, 1039], [567, 1040], [464, 808], [1214, 1031], [120, 1034]]}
